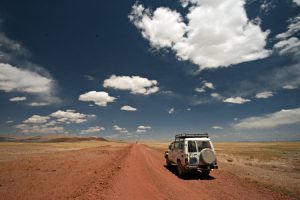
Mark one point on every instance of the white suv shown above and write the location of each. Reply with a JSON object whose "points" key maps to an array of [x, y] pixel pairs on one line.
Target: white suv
{"points": [[192, 152]]}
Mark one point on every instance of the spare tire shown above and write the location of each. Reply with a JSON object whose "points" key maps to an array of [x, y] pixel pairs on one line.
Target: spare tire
{"points": [[207, 156]]}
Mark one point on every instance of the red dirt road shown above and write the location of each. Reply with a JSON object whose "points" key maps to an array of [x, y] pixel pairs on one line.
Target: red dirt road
{"points": [[145, 177], [134, 172]]}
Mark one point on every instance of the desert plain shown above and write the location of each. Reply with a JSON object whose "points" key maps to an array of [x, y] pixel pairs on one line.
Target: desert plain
{"points": [[92, 168]]}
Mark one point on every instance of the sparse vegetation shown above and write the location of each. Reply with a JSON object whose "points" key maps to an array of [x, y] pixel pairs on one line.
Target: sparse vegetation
{"points": [[274, 165], [262, 151]]}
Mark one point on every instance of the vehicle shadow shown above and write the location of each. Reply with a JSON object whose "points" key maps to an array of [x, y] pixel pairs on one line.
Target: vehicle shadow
{"points": [[190, 175]]}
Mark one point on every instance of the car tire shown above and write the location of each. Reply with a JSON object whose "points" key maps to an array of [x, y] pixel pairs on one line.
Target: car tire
{"points": [[168, 163], [207, 156], [205, 172], [180, 169]]}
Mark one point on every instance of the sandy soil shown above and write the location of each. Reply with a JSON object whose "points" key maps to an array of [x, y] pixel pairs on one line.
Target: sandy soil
{"points": [[115, 172], [275, 164]]}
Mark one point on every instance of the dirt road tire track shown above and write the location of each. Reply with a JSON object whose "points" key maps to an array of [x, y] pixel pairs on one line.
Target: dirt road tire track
{"points": [[101, 180], [143, 176], [123, 173]]}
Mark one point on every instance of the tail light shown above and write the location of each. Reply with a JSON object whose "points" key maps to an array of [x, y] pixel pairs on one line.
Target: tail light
{"points": [[186, 161]]}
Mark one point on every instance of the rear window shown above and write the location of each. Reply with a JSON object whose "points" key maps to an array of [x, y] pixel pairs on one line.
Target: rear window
{"points": [[203, 144], [192, 146]]}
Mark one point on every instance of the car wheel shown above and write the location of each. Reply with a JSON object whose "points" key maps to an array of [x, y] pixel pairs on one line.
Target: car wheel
{"points": [[205, 172], [207, 156], [168, 163], [180, 169]]}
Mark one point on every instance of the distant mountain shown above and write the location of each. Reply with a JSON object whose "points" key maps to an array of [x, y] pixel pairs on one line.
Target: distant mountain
{"points": [[50, 138]]}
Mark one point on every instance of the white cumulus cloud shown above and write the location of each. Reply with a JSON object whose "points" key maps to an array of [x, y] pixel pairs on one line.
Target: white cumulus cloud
{"points": [[19, 75], [39, 129], [264, 95], [297, 2], [17, 99], [36, 119], [52, 123], [215, 34], [135, 84], [288, 42], [93, 129], [99, 98], [163, 28], [119, 129], [21, 80], [209, 85], [291, 45], [236, 100], [143, 129], [289, 87], [269, 121], [293, 27], [13, 79], [38, 104], [71, 116], [128, 108]]}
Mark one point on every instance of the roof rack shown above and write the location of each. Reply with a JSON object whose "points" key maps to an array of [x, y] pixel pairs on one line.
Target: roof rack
{"points": [[186, 135]]}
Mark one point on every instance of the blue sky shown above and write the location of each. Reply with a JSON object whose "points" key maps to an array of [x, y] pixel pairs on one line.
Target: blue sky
{"points": [[150, 69]]}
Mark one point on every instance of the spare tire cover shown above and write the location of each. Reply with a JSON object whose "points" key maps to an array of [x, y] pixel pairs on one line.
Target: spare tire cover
{"points": [[207, 156]]}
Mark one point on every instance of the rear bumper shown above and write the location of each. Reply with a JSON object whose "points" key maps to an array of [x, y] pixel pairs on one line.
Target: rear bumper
{"points": [[201, 167]]}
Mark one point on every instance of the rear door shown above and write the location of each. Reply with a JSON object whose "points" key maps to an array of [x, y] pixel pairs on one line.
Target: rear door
{"points": [[193, 153]]}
